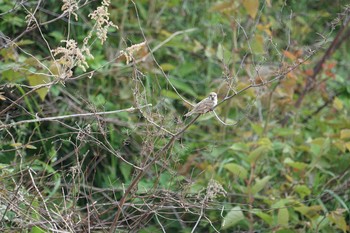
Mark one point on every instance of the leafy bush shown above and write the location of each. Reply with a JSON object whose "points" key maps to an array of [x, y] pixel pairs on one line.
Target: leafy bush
{"points": [[92, 102]]}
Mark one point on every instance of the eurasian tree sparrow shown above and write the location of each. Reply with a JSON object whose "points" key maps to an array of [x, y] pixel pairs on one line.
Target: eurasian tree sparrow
{"points": [[206, 105]]}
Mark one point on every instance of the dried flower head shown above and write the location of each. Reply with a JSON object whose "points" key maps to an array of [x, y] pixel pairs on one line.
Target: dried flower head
{"points": [[70, 56], [101, 16], [214, 189], [70, 6]]}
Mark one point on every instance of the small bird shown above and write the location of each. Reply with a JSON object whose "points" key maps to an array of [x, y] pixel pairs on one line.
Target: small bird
{"points": [[205, 105]]}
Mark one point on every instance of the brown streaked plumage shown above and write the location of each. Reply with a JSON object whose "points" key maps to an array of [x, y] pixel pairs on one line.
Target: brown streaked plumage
{"points": [[206, 105]]}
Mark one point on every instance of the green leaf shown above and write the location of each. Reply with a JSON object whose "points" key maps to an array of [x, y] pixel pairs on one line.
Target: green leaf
{"points": [[183, 87], [257, 44], [38, 79], [126, 171], [258, 128], [266, 217], [237, 170], [309, 211], [232, 218], [37, 229], [297, 165], [260, 184], [257, 153], [239, 147], [170, 94], [283, 217], [302, 190]]}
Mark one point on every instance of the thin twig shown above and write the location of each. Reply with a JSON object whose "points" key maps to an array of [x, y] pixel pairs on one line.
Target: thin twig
{"points": [[136, 180], [55, 118]]}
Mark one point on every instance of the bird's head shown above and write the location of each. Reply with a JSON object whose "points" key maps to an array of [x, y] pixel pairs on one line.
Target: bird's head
{"points": [[212, 95]]}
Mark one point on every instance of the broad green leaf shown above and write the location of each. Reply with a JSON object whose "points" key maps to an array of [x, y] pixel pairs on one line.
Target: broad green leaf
{"points": [[264, 216], [302, 190], [265, 142], [126, 171], [237, 170], [258, 128], [232, 218], [285, 231], [37, 229], [24, 42], [11, 75], [37, 79], [222, 53], [320, 222], [183, 87], [257, 44], [257, 153], [252, 7], [260, 184], [309, 211], [239, 147], [283, 217], [297, 165], [169, 94]]}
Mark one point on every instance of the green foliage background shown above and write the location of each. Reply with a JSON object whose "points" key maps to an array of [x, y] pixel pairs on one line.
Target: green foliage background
{"points": [[284, 168]]}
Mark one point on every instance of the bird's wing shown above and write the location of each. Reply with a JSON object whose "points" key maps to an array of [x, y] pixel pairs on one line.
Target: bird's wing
{"points": [[203, 105]]}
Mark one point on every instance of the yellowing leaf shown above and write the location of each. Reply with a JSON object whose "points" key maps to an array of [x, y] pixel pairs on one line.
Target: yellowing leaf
{"points": [[337, 104], [37, 79], [167, 66], [252, 7], [2, 97], [222, 6], [347, 145], [345, 133], [30, 147], [289, 55], [16, 144], [338, 219]]}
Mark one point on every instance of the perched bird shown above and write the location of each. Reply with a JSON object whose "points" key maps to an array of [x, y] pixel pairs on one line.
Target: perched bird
{"points": [[205, 105]]}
